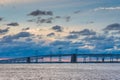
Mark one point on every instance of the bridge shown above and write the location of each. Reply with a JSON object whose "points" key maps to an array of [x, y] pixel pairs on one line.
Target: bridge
{"points": [[67, 58]]}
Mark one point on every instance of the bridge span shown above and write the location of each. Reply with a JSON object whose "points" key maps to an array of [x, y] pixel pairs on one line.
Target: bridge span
{"points": [[67, 58]]}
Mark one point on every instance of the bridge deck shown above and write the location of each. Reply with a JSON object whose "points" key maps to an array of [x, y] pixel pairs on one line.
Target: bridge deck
{"points": [[98, 58]]}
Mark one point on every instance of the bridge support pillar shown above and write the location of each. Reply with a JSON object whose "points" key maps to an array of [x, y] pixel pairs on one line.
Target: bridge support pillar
{"points": [[84, 59], [97, 59], [90, 59], [111, 59], [73, 58], [103, 59], [36, 59], [117, 59], [50, 58], [60, 58], [28, 59]]}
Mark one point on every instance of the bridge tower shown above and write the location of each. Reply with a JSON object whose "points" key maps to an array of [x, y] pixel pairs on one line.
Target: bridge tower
{"points": [[73, 58], [28, 59], [103, 59], [36, 52], [60, 57]]}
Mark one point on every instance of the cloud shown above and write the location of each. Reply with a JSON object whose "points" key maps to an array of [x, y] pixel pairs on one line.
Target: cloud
{"points": [[90, 22], [17, 49], [1, 18], [18, 44], [95, 37], [10, 38], [84, 32], [22, 34], [72, 37], [31, 20], [67, 46], [51, 34], [90, 44], [41, 20], [100, 42], [76, 12], [4, 31], [57, 17], [42, 16], [58, 43], [67, 18], [24, 29], [116, 32], [107, 8], [115, 26], [104, 45], [28, 39], [40, 13], [13, 24], [57, 28]]}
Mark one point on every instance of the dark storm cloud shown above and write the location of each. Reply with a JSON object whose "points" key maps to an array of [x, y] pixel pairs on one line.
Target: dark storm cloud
{"points": [[40, 13], [72, 37], [115, 26], [51, 34], [13, 24], [4, 31], [57, 28], [84, 32]]}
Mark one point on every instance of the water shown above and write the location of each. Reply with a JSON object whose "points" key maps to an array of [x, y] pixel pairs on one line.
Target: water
{"points": [[60, 71]]}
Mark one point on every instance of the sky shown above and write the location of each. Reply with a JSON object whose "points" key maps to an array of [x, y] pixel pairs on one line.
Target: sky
{"points": [[40, 27]]}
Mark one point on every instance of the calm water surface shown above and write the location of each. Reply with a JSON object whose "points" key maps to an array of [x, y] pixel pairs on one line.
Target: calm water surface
{"points": [[60, 71]]}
